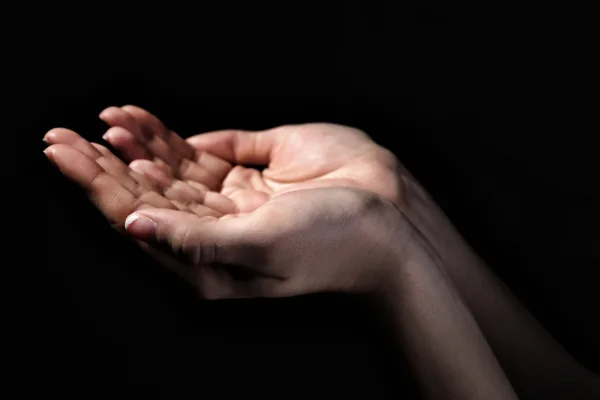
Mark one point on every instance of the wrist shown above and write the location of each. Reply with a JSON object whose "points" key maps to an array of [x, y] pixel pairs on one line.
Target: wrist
{"points": [[408, 250]]}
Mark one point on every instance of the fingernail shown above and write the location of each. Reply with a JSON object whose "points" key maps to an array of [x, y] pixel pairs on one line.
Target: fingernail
{"points": [[140, 225], [105, 137]]}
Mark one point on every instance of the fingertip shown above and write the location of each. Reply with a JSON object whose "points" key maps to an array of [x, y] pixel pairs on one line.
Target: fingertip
{"points": [[119, 137], [138, 165], [106, 113], [118, 132], [64, 136], [108, 137], [52, 135], [49, 152]]}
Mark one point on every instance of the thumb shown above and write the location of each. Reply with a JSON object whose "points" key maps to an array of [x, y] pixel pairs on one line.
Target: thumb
{"points": [[201, 240]]}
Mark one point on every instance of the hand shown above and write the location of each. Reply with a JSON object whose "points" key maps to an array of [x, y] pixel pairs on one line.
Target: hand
{"points": [[323, 239], [321, 154], [290, 245], [172, 174], [297, 157]]}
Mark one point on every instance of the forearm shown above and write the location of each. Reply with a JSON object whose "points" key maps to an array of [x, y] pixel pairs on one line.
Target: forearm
{"points": [[440, 338], [537, 366]]}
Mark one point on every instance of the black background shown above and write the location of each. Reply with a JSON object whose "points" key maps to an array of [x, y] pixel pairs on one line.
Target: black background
{"points": [[486, 107]]}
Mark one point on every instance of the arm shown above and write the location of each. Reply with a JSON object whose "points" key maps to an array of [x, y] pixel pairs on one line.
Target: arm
{"points": [[537, 366], [440, 338]]}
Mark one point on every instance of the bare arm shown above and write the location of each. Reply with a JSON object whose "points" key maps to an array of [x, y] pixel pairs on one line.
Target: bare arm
{"points": [[537, 365], [441, 340]]}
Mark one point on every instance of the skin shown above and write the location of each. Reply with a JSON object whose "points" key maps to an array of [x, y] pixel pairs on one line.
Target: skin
{"points": [[325, 187]]}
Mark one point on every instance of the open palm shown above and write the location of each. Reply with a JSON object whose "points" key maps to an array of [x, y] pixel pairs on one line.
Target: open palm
{"points": [[214, 175], [224, 162]]}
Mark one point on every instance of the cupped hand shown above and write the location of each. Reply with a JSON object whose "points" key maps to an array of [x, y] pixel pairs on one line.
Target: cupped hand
{"points": [[302, 241], [296, 157], [210, 177]]}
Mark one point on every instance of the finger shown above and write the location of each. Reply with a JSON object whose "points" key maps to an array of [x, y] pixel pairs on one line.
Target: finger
{"points": [[68, 137], [157, 147], [198, 185], [238, 147], [245, 187], [155, 131], [126, 143], [246, 178], [218, 167], [113, 199], [167, 146], [160, 176], [106, 160], [151, 123], [185, 192], [114, 162], [203, 240], [192, 171]]}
